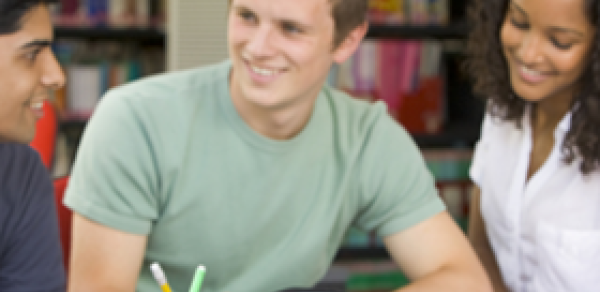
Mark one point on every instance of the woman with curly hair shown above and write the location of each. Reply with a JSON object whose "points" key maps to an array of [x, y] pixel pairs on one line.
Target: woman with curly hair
{"points": [[535, 220]]}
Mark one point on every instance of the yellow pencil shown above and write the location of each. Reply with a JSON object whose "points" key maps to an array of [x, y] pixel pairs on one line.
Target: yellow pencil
{"points": [[160, 277]]}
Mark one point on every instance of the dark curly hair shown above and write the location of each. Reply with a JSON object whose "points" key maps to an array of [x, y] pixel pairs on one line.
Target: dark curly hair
{"points": [[487, 66]]}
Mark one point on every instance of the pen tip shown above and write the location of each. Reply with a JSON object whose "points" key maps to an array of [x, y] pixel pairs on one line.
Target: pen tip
{"points": [[201, 268]]}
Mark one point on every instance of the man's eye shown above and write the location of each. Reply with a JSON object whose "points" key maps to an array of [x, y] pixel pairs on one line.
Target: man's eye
{"points": [[291, 28], [32, 55], [247, 16]]}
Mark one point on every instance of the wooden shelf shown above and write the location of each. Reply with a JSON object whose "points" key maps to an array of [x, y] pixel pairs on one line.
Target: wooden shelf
{"points": [[140, 34], [451, 31]]}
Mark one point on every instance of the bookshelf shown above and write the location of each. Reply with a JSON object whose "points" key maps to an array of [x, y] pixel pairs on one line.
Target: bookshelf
{"points": [[464, 112]]}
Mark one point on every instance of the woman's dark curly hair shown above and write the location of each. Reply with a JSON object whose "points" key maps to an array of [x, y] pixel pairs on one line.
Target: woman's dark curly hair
{"points": [[487, 66]]}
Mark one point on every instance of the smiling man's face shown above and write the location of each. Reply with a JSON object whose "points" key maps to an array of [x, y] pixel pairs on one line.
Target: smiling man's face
{"points": [[28, 73], [282, 51]]}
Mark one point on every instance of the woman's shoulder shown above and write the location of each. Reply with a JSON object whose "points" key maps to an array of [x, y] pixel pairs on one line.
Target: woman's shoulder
{"points": [[498, 127]]}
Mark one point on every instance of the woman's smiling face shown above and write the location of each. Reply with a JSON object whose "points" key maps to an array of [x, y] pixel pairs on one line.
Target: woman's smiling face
{"points": [[546, 44]]}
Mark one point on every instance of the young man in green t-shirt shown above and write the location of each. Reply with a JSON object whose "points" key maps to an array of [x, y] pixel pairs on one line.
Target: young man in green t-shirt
{"points": [[256, 169]]}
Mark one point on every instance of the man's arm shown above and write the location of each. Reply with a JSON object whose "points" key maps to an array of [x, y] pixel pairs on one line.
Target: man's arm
{"points": [[436, 256], [104, 259], [480, 242]]}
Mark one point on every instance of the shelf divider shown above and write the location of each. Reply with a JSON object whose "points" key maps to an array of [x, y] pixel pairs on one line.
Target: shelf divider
{"points": [[147, 34], [452, 31]]}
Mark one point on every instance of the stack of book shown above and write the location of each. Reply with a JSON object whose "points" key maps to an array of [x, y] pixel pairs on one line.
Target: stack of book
{"points": [[407, 74]]}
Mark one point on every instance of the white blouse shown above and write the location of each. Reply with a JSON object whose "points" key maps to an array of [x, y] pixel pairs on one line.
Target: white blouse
{"points": [[545, 232]]}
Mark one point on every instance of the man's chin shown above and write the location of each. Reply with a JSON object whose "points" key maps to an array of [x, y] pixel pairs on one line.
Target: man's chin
{"points": [[22, 138]]}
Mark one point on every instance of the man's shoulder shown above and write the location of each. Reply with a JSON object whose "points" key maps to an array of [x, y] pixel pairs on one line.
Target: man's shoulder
{"points": [[352, 111], [365, 123], [166, 96], [15, 156], [20, 167]]}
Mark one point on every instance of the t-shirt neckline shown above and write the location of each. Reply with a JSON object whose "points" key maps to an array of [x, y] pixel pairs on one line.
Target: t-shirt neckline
{"points": [[250, 135]]}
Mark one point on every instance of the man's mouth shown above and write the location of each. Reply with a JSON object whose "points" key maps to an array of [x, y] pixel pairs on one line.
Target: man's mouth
{"points": [[263, 71], [37, 105]]}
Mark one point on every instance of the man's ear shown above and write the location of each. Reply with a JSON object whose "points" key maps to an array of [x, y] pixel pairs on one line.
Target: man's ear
{"points": [[349, 45]]}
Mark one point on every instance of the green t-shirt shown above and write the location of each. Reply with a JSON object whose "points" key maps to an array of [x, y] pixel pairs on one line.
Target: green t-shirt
{"points": [[169, 157]]}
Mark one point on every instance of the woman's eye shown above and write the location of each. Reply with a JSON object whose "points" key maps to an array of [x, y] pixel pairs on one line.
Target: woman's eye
{"points": [[560, 45], [519, 25]]}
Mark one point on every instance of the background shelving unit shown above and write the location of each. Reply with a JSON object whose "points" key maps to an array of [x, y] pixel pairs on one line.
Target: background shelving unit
{"points": [[72, 124], [464, 111]]}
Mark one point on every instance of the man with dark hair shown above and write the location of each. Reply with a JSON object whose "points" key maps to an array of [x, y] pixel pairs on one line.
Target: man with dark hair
{"points": [[30, 252], [256, 169]]}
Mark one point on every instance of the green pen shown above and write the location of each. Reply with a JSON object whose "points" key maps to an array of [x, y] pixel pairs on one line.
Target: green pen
{"points": [[198, 278]]}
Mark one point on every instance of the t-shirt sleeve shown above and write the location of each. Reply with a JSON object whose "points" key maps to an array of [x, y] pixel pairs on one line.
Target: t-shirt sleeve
{"points": [[398, 191], [481, 151], [31, 255], [114, 180]]}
